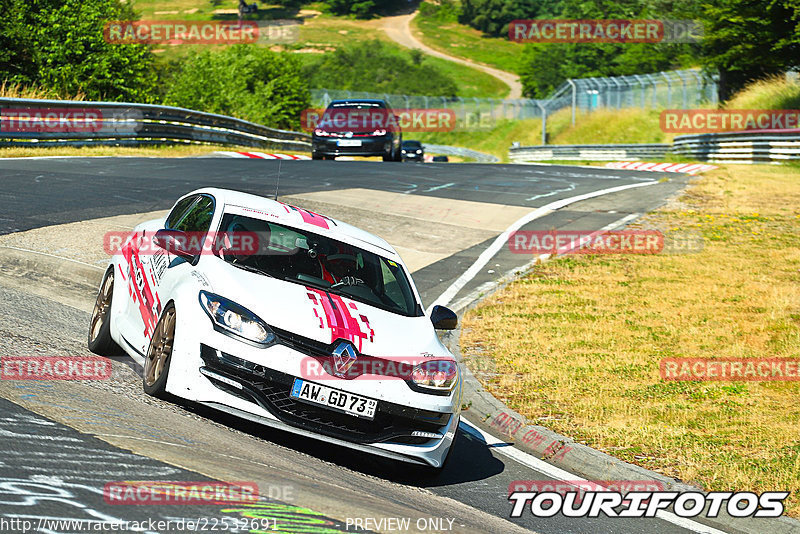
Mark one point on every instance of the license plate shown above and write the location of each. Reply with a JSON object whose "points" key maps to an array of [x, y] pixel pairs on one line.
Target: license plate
{"points": [[334, 399], [349, 142]]}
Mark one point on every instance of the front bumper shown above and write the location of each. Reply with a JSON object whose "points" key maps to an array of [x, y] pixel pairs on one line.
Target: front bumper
{"points": [[270, 390], [266, 374], [370, 146]]}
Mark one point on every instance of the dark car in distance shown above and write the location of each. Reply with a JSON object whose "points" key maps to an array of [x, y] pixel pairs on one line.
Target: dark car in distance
{"points": [[357, 127], [412, 151]]}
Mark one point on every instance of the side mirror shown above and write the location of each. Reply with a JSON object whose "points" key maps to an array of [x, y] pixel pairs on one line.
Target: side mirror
{"points": [[174, 241], [444, 318]]}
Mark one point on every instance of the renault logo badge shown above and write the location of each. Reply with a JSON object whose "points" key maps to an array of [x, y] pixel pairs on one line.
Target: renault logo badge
{"points": [[344, 356]]}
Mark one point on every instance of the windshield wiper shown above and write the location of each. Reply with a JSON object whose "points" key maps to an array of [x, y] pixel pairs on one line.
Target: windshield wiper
{"points": [[251, 269], [348, 281]]}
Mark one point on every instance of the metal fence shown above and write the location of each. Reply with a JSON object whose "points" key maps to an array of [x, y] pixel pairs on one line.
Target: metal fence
{"points": [[41, 123], [679, 88]]}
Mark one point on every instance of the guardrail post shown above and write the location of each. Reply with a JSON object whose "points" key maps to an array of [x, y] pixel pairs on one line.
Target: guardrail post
{"points": [[619, 91], [698, 99], [574, 98], [544, 122], [655, 88], [641, 84], [715, 89], [669, 89], [683, 86]]}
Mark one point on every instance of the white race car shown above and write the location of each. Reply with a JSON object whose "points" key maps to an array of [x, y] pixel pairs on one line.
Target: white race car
{"points": [[284, 317]]}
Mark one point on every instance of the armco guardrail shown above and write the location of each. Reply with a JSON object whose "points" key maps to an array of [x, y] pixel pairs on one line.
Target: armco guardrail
{"points": [[480, 157], [74, 123], [587, 152], [740, 147]]}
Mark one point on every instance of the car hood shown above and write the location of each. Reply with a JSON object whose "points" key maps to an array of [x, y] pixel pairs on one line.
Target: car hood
{"points": [[325, 317]]}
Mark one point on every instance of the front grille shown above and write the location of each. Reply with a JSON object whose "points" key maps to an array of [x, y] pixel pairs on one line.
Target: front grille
{"points": [[270, 389]]}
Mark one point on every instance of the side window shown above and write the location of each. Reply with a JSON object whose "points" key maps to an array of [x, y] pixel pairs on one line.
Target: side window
{"points": [[198, 218], [178, 211], [391, 287]]}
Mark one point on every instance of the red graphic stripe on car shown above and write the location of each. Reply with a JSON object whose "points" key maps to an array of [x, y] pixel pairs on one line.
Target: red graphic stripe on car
{"points": [[338, 318], [309, 216], [139, 286]]}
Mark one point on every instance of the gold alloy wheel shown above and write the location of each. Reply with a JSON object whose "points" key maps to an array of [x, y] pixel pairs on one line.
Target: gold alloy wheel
{"points": [[160, 348], [102, 306]]}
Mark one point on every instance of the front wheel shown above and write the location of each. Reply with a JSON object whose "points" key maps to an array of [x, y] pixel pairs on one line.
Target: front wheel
{"points": [[159, 355], [100, 341]]}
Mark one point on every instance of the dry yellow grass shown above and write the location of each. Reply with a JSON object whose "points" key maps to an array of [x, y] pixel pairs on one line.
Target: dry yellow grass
{"points": [[576, 344], [16, 90]]}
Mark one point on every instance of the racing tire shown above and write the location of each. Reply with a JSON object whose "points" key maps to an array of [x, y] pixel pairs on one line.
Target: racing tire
{"points": [[314, 155], [99, 338], [159, 355]]}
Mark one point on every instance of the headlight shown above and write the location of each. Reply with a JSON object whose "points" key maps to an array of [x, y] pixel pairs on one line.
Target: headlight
{"points": [[235, 320], [439, 375], [379, 132], [419, 151]]}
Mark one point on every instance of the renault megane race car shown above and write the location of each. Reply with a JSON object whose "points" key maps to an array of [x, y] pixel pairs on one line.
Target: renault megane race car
{"points": [[284, 317]]}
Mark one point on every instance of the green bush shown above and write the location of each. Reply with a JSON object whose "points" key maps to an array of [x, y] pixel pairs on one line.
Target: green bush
{"points": [[363, 8], [244, 81], [59, 45], [374, 67]]}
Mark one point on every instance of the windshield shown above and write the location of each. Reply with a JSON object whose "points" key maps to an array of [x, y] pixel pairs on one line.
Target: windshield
{"points": [[311, 259]]}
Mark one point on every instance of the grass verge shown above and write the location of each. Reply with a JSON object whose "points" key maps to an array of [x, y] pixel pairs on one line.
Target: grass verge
{"points": [[576, 344], [167, 151], [442, 32]]}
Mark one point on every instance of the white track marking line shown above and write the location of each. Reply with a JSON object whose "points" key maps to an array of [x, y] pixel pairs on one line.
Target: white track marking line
{"points": [[500, 241], [436, 188], [54, 256], [565, 476], [483, 288]]}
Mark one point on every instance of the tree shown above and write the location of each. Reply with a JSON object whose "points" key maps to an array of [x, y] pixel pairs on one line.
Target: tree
{"points": [[750, 39], [373, 67], [492, 16], [59, 44], [244, 81]]}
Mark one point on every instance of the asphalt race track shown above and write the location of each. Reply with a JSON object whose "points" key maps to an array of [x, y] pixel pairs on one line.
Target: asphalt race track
{"points": [[65, 440]]}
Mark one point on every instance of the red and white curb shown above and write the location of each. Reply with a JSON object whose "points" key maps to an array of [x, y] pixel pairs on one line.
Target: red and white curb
{"points": [[688, 168], [260, 155]]}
